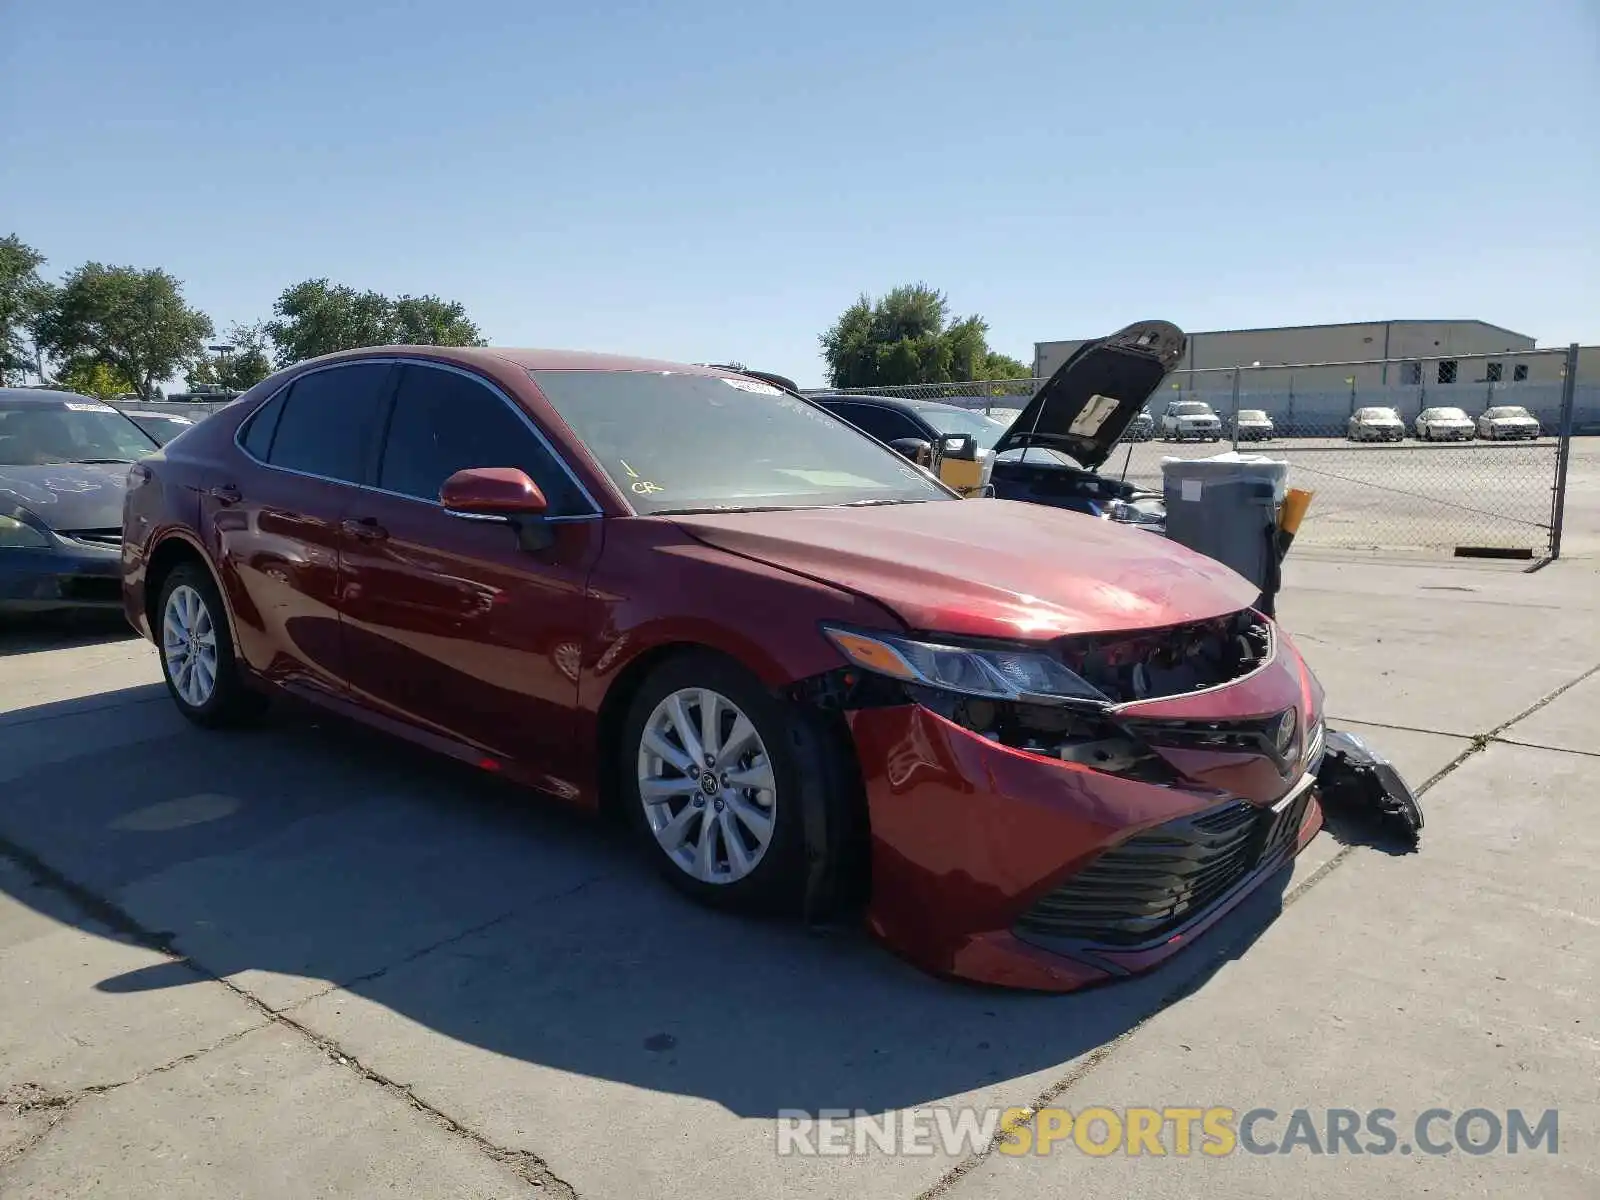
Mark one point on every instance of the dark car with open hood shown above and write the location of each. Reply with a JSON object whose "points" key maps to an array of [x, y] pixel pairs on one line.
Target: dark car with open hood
{"points": [[1039, 749], [1052, 452], [64, 462]]}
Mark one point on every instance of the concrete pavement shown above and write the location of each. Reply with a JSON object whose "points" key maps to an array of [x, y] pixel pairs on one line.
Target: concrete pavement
{"points": [[303, 961]]}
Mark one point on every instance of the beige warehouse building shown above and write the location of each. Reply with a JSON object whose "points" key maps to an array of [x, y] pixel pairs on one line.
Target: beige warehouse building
{"points": [[1415, 353]]}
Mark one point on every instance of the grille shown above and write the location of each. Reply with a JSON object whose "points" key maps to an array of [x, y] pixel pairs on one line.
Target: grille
{"points": [[1158, 881], [99, 537]]}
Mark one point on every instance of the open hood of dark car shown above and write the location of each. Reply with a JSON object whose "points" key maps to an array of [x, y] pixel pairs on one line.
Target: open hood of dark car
{"points": [[1088, 404]]}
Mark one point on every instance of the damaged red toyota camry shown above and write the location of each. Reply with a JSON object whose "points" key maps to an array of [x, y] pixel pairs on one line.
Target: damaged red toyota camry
{"points": [[1042, 749]]}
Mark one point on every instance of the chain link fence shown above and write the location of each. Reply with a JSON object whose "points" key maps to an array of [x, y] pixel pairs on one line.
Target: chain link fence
{"points": [[1462, 455]]}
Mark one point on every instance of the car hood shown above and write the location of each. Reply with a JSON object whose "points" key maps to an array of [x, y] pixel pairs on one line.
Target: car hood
{"points": [[67, 496], [1087, 405], [988, 568]]}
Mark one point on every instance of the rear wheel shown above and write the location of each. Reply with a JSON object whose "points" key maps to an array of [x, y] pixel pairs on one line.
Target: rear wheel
{"points": [[197, 655], [716, 777]]}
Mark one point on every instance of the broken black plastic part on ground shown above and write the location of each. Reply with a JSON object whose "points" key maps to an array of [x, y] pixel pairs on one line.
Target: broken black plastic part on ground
{"points": [[1357, 782]]}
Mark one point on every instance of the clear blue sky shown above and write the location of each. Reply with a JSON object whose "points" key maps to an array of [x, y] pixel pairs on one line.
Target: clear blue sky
{"points": [[707, 179]]}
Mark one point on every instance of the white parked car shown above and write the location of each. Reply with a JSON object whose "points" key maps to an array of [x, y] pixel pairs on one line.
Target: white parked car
{"points": [[1444, 425], [1185, 419], [1508, 421], [1376, 425]]}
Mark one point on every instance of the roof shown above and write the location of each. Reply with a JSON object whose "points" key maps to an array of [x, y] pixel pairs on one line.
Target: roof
{"points": [[534, 359], [44, 396], [915, 402]]}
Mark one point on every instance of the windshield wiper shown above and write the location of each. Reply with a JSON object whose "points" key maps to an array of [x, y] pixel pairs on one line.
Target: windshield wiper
{"points": [[100, 462], [875, 503]]}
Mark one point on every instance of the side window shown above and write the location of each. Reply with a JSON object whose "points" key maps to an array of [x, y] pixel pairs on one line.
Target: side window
{"points": [[882, 423], [445, 422], [263, 424], [330, 421]]}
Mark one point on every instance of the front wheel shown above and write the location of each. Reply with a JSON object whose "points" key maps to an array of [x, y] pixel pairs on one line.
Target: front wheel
{"points": [[197, 656], [717, 777]]}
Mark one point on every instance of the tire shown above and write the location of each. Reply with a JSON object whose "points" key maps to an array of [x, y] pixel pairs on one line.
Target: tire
{"points": [[808, 770], [190, 602]]}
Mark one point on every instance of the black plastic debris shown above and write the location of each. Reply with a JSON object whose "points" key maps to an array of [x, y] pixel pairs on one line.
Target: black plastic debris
{"points": [[1357, 783]]}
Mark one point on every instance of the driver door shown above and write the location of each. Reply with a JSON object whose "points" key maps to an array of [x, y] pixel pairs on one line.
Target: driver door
{"points": [[448, 624]]}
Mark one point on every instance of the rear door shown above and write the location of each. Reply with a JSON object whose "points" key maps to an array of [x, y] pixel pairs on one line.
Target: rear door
{"points": [[275, 520], [449, 624]]}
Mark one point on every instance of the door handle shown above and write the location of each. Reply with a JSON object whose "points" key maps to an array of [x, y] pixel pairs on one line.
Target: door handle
{"points": [[366, 528], [226, 494]]}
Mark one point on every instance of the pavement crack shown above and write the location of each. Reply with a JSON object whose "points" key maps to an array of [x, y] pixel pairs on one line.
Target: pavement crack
{"points": [[526, 1165], [1223, 951], [1505, 741]]}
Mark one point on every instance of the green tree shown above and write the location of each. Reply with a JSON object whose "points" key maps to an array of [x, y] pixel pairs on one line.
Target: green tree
{"points": [[318, 317], [22, 293], [430, 321], [133, 322], [906, 336], [243, 365], [90, 378], [1003, 366]]}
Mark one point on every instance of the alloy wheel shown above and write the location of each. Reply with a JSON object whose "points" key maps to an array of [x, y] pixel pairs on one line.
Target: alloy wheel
{"points": [[707, 785], [189, 645]]}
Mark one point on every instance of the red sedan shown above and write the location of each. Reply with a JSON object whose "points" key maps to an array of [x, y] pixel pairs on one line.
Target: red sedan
{"points": [[1042, 749]]}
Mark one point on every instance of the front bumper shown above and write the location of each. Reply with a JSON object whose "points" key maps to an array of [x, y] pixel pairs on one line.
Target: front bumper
{"points": [[1005, 867], [60, 578]]}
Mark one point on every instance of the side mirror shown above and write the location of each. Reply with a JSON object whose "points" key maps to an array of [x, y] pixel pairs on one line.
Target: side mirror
{"points": [[917, 450], [492, 492]]}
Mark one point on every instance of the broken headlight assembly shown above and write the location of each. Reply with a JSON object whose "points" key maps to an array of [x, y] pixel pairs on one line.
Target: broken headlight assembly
{"points": [[1019, 698], [984, 672]]}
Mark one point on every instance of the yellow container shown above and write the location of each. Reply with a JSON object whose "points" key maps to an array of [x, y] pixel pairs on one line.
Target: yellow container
{"points": [[965, 475]]}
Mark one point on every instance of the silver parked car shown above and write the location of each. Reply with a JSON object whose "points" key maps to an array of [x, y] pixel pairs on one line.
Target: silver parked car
{"points": [[1254, 425], [1507, 421], [1444, 425], [1376, 425]]}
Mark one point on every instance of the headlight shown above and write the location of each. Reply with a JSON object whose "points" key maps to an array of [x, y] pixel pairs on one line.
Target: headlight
{"points": [[19, 535], [993, 674]]}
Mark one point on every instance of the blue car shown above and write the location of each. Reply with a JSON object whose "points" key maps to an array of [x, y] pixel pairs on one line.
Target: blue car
{"points": [[64, 462]]}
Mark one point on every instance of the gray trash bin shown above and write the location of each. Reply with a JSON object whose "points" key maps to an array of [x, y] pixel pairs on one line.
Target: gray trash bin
{"points": [[1226, 507]]}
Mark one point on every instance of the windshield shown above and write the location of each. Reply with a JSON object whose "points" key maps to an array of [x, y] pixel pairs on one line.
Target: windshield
{"points": [[693, 443], [37, 435], [1191, 408], [1509, 412], [1448, 414], [1252, 414], [946, 419], [1377, 414]]}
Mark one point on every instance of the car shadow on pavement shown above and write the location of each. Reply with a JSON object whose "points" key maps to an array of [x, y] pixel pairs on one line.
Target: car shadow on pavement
{"points": [[308, 854], [30, 633]]}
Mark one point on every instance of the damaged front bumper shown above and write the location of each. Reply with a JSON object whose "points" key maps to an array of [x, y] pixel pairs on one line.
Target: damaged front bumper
{"points": [[1002, 864]]}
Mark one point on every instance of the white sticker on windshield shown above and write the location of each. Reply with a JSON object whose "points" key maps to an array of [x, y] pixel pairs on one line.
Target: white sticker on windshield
{"points": [[1192, 489], [751, 385], [87, 406], [1095, 414]]}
